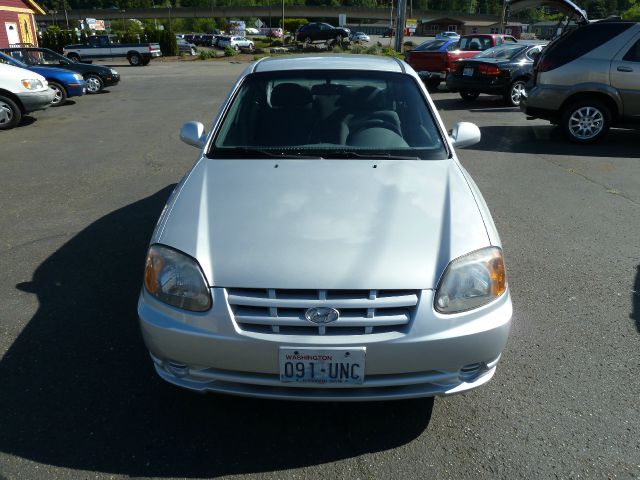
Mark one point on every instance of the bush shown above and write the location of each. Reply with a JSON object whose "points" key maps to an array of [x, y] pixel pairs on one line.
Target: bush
{"points": [[205, 54], [230, 51], [372, 50], [276, 43]]}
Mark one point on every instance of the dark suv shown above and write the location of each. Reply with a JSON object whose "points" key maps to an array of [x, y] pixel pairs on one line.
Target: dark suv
{"points": [[321, 32], [588, 80]]}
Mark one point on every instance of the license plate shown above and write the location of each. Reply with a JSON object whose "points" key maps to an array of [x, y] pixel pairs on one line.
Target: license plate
{"points": [[468, 72], [322, 366]]}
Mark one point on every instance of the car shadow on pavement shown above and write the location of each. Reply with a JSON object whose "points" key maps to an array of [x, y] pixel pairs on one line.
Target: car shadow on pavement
{"points": [[549, 140], [635, 293], [79, 391]]}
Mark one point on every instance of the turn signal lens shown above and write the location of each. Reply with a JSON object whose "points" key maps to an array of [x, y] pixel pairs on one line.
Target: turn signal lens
{"points": [[471, 281], [176, 279]]}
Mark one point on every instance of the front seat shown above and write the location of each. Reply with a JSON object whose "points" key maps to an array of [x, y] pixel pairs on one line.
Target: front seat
{"points": [[289, 117]]}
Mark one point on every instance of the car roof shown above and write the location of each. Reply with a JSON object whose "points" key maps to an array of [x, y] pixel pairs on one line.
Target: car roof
{"points": [[329, 62]]}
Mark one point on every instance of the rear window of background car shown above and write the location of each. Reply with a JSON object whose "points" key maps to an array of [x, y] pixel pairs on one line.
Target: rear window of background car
{"points": [[582, 40]]}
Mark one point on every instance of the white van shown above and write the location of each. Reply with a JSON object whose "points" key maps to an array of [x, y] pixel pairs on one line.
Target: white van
{"points": [[21, 91]]}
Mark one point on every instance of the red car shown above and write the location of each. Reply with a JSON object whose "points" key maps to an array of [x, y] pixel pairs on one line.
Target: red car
{"points": [[434, 67]]}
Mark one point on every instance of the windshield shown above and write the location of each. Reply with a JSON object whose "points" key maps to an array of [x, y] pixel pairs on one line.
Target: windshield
{"points": [[11, 61], [328, 114], [503, 52], [430, 45]]}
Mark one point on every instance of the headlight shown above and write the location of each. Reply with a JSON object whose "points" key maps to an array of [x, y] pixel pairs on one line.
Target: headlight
{"points": [[78, 77], [471, 281], [114, 72], [176, 279], [32, 84]]}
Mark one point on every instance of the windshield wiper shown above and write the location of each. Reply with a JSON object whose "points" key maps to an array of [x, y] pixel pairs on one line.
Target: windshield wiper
{"points": [[259, 153], [376, 156]]}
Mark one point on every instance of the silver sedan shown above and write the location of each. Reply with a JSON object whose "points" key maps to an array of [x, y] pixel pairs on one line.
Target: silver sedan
{"points": [[327, 244]]}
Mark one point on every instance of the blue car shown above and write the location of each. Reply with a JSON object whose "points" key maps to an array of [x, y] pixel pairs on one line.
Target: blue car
{"points": [[64, 83]]}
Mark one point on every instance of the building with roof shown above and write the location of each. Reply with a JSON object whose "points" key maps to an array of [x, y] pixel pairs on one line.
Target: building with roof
{"points": [[429, 27], [17, 25]]}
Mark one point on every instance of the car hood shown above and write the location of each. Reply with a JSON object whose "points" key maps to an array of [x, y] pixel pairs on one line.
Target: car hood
{"points": [[565, 6], [323, 224]]}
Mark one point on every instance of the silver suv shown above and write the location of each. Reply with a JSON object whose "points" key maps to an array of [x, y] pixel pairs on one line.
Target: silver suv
{"points": [[588, 80]]}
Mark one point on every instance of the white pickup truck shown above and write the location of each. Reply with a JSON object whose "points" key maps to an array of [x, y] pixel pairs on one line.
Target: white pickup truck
{"points": [[108, 46]]}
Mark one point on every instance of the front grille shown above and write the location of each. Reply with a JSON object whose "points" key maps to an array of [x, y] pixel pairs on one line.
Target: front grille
{"points": [[282, 311]]}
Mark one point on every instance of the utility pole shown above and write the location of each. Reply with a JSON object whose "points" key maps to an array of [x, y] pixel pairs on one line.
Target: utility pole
{"points": [[66, 17], [401, 20], [504, 14], [283, 22]]}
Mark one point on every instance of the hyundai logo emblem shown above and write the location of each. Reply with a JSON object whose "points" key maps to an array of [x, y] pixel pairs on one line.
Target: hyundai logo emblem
{"points": [[322, 315]]}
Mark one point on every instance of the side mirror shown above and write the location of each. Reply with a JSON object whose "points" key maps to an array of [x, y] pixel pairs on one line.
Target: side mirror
{"points": [[192, 133], [464, 134]]}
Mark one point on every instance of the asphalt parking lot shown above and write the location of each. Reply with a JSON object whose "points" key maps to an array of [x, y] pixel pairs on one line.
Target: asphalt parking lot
{"points": [[81, 187]]}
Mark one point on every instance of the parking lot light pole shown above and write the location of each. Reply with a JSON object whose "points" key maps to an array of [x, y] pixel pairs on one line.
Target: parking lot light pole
{"points": [[401, 20]]}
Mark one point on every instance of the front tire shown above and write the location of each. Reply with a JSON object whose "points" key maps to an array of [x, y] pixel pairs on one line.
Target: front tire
{"points": [[514, 94], [469, 96], [135, 59], [10, 113], [586, 121], [94, 83], [60, 97]]}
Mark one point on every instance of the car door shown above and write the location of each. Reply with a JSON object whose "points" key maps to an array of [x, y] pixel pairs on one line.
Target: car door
{"points": [[625, 77], [325, 32]]}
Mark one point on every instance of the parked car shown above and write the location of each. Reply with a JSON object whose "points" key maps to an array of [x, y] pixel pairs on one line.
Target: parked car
{"points": [[108, 46], [414, 58], [434, 66], [21, 92], [364, 263], [97, 76], [389, 32], [274, 32], [447, 36], [186, 47], [588, 80], [502, 70], [252, 31], [64, 83], [237, 43], [321, 32], [360, 37]]}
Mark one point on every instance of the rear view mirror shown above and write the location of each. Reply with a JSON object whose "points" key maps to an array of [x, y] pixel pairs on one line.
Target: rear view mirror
{"points": [[464, 134], [192, 133]]}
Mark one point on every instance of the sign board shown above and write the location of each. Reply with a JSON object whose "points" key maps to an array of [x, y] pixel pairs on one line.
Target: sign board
{"points": [[412, 23], [99, 25], [342, 19], [237, 27], [258, 23]]}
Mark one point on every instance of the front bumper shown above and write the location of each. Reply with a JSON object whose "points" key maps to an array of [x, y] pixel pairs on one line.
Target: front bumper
{"points": [[76, 89], [488, 85], [34, 101], [110, 80], [434, 355]]}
